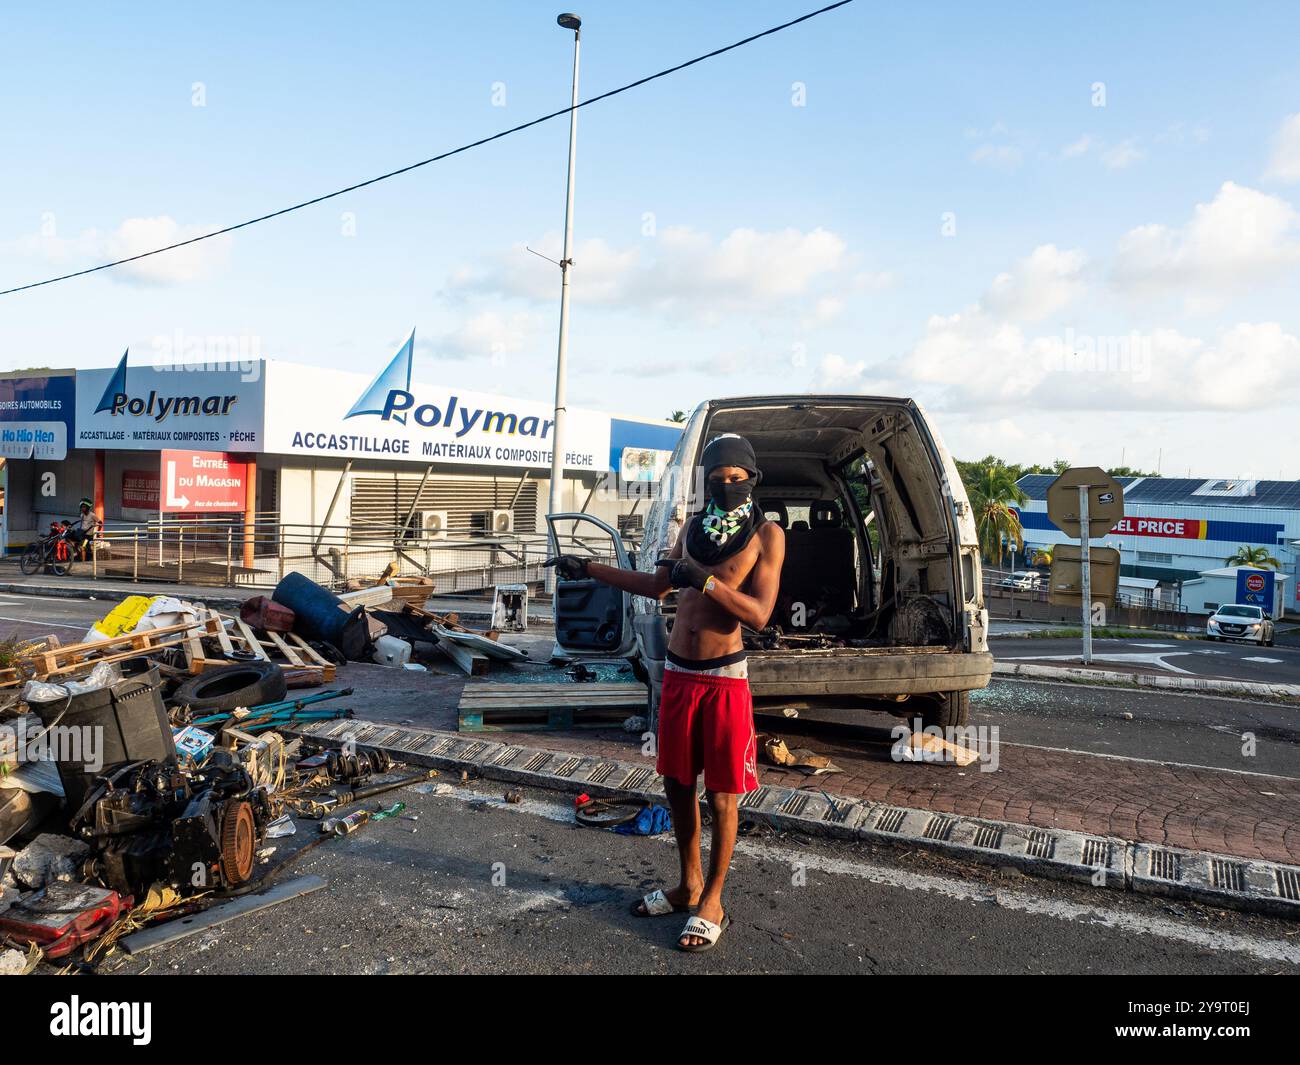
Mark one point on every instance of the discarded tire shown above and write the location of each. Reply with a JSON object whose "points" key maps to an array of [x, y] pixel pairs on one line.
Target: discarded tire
{"points": [[227, 687]]}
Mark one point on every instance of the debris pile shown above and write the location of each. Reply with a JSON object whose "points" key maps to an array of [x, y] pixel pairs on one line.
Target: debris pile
{"points": [[146, 772]]}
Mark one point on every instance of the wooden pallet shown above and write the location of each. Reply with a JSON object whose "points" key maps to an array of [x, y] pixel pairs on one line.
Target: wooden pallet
{"points": [[537, 707], [57, 661], [295, 651]]}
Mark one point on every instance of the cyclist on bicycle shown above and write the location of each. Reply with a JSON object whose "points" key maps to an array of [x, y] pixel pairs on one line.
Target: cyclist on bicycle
{"points": [[82, 531]]}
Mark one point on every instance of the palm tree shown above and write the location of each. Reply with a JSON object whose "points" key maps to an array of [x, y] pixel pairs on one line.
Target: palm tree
{"points": [[1043, 556], [677, 416], [1253, 556], [993, 491]]}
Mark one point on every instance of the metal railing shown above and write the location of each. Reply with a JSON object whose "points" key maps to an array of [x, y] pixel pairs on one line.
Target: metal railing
{"points": [[1129, 610], [258, 555]]}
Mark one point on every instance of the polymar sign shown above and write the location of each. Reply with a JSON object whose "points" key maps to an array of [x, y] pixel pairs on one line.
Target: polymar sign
{"points": [[322, 412], [154, 407]]}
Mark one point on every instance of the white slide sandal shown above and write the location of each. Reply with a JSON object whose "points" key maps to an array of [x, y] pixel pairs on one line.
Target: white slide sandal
{"points": [[657, 904], [705, 930]]}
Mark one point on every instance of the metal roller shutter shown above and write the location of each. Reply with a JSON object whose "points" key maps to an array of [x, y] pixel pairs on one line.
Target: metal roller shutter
{"points": [[383, 501]]}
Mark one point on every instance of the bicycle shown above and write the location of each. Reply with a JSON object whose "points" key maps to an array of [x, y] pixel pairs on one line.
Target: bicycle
{"points": [[53, 551]]}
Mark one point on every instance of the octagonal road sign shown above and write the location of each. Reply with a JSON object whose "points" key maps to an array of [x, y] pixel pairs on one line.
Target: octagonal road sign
{"points": [[1105, 500]]}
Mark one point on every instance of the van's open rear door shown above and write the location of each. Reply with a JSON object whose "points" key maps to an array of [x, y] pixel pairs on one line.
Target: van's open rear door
{"points": [[592, 620]]}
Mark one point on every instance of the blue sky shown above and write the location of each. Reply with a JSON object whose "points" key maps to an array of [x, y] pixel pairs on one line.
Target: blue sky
{"points": [[917, 199]]}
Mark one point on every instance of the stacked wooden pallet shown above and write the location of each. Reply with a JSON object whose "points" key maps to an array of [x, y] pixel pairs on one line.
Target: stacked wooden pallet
{"points": [[53, 660], [535, 707], [290, 649]]}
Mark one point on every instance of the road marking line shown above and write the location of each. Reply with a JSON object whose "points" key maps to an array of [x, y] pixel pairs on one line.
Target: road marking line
{"points": [[1153, 761], [1266, 661], [46, 624], [960, 890]]}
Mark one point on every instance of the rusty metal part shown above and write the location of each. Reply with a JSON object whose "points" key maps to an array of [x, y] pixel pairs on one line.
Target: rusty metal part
{"points": [[238, 842]]}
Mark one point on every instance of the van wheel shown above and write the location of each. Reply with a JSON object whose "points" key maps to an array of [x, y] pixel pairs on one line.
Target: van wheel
{"points": [[950, 710]]}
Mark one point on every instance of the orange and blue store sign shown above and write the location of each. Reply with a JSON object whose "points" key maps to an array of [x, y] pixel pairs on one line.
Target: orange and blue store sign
{"points": [[1236, 532]]}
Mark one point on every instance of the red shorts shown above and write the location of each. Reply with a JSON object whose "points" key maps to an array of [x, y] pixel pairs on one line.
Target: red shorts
{"points": [[706, 724]]}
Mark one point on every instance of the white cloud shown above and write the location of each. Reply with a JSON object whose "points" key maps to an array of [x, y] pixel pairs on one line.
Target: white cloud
{"points": [[999, 156], [1284, 164], [1041, 284], [681, 269], [91, 247], [1121, 155], [1241, 236], [976, 362], [489, 333], [1077, 148]]}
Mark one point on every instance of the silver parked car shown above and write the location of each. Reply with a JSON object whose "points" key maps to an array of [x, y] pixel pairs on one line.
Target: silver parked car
{"points": [[1234, 621]]}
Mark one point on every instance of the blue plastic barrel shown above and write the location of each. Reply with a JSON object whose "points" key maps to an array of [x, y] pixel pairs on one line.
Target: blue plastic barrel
{"points": [[318, 614]]}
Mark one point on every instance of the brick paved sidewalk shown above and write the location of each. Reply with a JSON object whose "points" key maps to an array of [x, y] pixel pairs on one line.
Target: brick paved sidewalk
{"points": [[1200, 809]]}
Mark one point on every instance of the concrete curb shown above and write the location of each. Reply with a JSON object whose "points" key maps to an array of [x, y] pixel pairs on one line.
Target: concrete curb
{"points": [[1083, 675], [1101, 861]]}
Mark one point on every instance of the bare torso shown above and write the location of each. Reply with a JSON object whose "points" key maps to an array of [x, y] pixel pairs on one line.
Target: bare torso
{"points": [[703, 629]]}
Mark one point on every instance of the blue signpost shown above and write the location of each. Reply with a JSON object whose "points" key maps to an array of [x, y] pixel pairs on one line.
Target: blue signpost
{"points": [[1255, 588]]}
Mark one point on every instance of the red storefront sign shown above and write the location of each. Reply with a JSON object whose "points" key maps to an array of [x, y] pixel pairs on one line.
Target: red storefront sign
{"points": [[140, 489], [196, 481], [1176, 528]]}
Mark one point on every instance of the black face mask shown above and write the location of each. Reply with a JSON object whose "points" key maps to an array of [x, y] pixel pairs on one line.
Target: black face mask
{"points": [[728, 496]]}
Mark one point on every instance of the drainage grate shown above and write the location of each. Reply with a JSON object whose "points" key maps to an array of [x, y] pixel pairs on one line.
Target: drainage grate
{"points": [[1226, 875], [890, 819], [1096, 852], [794, 803], [602, 773], [1040, 844], [441, 746], [754, 799], [1288, 884], [837, 812], [988, 837], [536, 762], [507, 756], [567, 767], [418, 742], [1166, 865], [473, 750], [938, 827], [637, 779]]}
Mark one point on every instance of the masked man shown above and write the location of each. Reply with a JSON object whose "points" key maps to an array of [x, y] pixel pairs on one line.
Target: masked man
{"points": [[727, 568]]}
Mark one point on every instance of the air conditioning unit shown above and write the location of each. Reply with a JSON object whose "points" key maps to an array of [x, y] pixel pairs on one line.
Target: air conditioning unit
{"points": [[498, 522], [432, 524]]}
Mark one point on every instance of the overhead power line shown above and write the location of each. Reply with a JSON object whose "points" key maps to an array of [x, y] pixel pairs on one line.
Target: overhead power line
{"points": [[432, 159]]}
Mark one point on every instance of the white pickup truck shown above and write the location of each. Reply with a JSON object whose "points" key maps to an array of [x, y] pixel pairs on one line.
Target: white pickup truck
{"points": [[880, 605]]}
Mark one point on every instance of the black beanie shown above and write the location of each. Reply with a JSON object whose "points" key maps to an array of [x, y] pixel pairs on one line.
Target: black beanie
{"points": [[729, 450]]}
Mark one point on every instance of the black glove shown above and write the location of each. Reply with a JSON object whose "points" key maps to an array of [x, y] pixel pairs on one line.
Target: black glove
{"points": [[569, 567], [686, 574]]}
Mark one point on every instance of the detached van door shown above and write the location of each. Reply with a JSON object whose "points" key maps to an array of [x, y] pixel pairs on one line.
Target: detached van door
{"points": [[592, 620]]}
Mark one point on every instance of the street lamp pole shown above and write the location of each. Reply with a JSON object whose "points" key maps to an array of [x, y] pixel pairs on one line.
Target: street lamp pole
{"points": [[569, 22]]}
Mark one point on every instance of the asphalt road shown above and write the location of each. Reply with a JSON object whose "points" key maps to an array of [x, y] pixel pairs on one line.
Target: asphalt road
{"points": [[475, 885], [1194, 657], [472, 884], [1149, 725]]}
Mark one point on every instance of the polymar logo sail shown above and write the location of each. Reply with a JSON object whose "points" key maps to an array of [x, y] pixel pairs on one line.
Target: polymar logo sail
{"points": [[118, 400], [389, 398], [395, 377]]}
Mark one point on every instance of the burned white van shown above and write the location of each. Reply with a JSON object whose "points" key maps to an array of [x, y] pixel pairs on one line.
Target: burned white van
{"points": [[880, 604]]}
